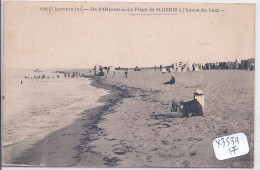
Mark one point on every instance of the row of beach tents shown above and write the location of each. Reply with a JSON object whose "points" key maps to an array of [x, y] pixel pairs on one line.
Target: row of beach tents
{"points": [[248, 64]]}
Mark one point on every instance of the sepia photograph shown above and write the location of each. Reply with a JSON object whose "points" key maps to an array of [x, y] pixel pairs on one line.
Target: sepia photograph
{"points": [[128, 84]]}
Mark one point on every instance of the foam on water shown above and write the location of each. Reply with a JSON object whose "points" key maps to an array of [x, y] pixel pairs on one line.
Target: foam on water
{"points": [[38, 107]]}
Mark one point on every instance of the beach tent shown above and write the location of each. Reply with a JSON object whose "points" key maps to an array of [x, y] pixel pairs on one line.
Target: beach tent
{"points": [[185, 66], [217, 65], [250, 62], [189, 69], [164, 70], [137, 69], [112, 71], [236, 65], [112, 68], [197, 68]]}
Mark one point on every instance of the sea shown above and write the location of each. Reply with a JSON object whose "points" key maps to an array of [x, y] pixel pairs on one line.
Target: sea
{"points": [[32, 107]]}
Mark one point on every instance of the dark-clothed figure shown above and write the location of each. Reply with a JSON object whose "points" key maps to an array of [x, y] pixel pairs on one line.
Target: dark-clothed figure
{"points": [[172, 81], [95, 70], [194, 107], [100, 69], [191, 108], [126, 72]]}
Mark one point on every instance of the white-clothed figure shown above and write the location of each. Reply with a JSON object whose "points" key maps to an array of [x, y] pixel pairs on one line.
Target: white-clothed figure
{"points": [[198, 95]]}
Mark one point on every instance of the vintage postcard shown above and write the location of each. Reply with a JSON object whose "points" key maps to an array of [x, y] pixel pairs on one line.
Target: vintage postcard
{"points": [[123, 84]]}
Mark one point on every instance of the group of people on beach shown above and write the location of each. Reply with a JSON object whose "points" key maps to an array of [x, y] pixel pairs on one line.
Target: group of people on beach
{"points": [[40, 77], [66, 75], [104, 71], [73, 74]]}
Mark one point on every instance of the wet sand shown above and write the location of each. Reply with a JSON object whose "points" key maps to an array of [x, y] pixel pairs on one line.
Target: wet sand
{"points": [[63, 148], [135, 127]]}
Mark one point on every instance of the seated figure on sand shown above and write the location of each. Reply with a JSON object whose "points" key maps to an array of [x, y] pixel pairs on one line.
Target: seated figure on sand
{"points": [[194, 107], [172, 81]]}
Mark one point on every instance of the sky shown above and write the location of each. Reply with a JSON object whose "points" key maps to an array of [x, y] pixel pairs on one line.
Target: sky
{"points": [[40, 39]]}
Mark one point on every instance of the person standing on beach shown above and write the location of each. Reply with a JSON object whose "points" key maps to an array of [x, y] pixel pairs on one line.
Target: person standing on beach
{"points": [[126, 72], [95, 70], [106, 73], [114, 73], [108, 69]]}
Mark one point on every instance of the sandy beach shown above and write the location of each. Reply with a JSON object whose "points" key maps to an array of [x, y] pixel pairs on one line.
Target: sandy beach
{"points": [[136, 128], [91, 84]]}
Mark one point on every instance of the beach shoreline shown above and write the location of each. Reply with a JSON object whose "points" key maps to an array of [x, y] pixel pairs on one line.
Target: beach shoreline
{"points": [[135, 128], [63, 147]]}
